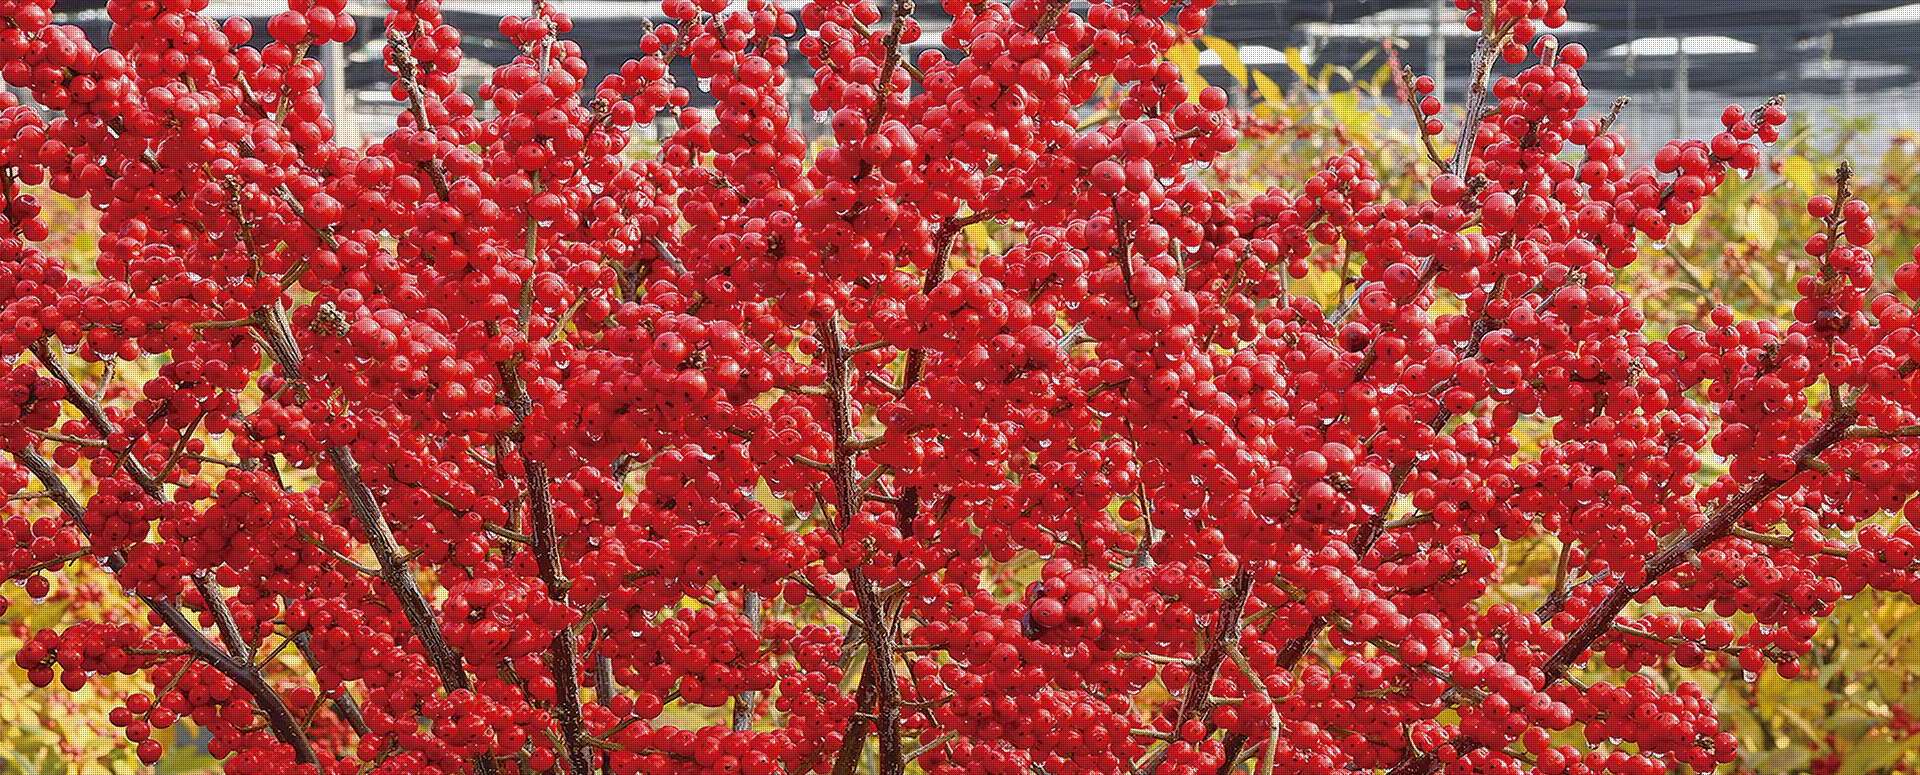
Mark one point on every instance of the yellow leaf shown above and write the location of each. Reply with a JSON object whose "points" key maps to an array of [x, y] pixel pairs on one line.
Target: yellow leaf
{"points": [[1298, 66], [1896, 161], [1761, 226], [1346, 110], [1798, 171], [981, 238], [1187, 56], [1365, 58], [1682, 235], [1269, 90], [1380, 77], [1229, 57], [1323, 286]]}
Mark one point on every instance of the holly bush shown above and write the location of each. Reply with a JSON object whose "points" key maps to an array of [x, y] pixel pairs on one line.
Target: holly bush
{"points": [[1850, 714], [998, 435], [42, 732]]}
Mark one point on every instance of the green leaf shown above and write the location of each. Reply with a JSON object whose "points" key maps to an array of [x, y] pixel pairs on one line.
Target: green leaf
{"points": [[1229, 57], [1852, 724], [1789, 759]]}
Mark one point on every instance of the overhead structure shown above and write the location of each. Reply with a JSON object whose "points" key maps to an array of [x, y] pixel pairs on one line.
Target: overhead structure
{"points": [[1738, 48], [1832, 51]]}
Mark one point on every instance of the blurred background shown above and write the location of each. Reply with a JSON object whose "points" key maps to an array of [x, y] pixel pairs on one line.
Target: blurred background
{"points": [[1682, 60]]}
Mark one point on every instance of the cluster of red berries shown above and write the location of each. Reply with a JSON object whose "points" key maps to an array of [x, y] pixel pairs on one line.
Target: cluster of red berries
{"points": [[554, 443]]}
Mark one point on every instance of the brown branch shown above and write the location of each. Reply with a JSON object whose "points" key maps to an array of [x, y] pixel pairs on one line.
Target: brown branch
{"points": [[563, 657], [1485, 53], [902, 11], [48, 564], [563, 653], [916, 368], [408, 69], [1420, 118], [96, 416], [1273, 710], [223, 619], [285, 726], [366, 509], [666, 254], [1784, 542], [337, 556], [877, 684], [1368, 533], [518, 538], [746, 702], [1222, 636], [67, 439], [286, 98], [929, 746], [1600, 620]]}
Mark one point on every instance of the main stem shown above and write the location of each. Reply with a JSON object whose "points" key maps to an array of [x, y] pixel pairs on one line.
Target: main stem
{"points": [[877, 681], [366, 509], [563, 657], [909, 508], [746, 702], [1222, 638]]}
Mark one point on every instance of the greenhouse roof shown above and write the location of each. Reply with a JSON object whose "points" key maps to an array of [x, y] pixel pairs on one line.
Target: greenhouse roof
{"points": [[1734, 47]]}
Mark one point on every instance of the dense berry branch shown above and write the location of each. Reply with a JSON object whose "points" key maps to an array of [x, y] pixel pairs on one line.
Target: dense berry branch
{"points": [[1719, 524], [285, 726]]}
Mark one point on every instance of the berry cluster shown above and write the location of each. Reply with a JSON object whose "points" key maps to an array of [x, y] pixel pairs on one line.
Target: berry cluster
{"points": [[500, 445]]}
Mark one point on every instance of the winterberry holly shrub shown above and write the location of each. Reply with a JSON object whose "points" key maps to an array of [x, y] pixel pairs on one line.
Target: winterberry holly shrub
{"points": [[490, 448], [1851, 713]]}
